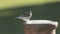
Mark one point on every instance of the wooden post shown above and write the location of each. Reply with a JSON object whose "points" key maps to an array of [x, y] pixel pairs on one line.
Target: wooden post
{"points": [[38, 28]]}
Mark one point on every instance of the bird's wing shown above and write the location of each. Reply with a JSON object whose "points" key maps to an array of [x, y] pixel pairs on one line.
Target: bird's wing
{"points": [[30, 15]]}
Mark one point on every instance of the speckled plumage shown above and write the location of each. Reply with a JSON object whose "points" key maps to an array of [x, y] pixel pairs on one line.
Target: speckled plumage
{"points": [[25, 16]]}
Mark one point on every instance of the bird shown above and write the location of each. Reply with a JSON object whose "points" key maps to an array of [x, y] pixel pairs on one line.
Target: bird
{"points": [[25, 16]]}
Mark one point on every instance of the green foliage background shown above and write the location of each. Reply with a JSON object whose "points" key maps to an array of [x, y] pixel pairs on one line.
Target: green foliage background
{"points": [[10, 25]]}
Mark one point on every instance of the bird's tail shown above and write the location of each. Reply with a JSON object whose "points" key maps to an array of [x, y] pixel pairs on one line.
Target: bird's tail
{"points": [[24, 19]]}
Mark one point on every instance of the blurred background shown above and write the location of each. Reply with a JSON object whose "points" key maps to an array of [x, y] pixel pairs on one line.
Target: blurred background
{"points": [[42, 9]]}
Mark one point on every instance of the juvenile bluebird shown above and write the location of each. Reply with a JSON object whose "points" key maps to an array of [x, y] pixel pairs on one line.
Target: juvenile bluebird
{"points": [[26, 16]]}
